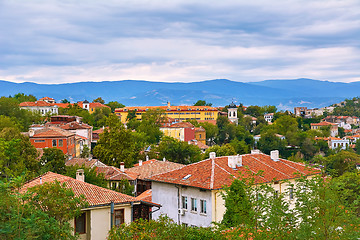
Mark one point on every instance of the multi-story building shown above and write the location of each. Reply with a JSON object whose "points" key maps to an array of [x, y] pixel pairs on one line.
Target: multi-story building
{"points": [[334, 129], [192, 195], [179, 113], [40, 107]]}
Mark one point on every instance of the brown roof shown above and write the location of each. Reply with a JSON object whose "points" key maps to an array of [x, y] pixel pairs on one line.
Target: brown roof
{"points": [[94, 195], [323, 124], [153, 166], [199, 129], [51, 132], [115, 174], [84, 161], [74, 126], [166, 108], [214, 174], [199, 144], [213, 122]]}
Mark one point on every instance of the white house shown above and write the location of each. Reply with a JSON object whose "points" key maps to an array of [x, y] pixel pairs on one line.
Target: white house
{"points": [[41, 107], [192, 195], [269, 117]]}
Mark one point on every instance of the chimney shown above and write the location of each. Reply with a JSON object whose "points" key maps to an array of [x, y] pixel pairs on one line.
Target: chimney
{"points": [[122, 166], [168, 104], [140, 162], [164, 159], [255, 151], [274, 155], [40, 180], [80, 175], [212, 155], [147, 158], [238, 161], [231, 162], [31, 132]]}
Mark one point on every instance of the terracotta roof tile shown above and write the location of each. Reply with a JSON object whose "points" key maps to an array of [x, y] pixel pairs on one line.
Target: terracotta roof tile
{"points": [[75, 125], [166, 108], [115, 174], [84, 161], [181, 125], [52, 132], [145, 196], [323, 124], [152, 167], [214, 174], [94, 195], [36, 104]]}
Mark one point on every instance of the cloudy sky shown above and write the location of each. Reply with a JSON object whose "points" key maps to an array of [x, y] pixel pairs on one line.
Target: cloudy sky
{"points": [[57, 41]]}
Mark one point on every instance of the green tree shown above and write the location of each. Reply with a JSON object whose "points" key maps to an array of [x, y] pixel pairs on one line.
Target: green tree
{"points": [[177, 151], [286, 124], [124, 187], [202, 103], [21, 97], [269, 141], [131, 115], [116, 144], [226, 130], [240, 147], [114, 104], [85, 152], [99, 100], [53, 159], [150, 125], [65, 101], [341, 162], [224, 150], [211, 131]]}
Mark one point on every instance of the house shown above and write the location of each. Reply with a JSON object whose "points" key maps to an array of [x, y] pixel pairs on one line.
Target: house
{"points": [[82, 130], [199, 144], [63, 119], [192, 195], [106, 208], [41, 107], [182, 131], [333, 127], [269, 117], [49, 137], [91, 106], [146, 169], [341, 143], [180, 113], [200, 135]]}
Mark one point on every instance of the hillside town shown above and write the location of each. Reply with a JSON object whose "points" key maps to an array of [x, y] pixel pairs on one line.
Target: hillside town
{"points": [[197, 166]]}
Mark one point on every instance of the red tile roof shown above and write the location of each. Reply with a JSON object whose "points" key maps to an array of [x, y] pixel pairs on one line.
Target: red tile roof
{"points": [[93, 105], [214, 174], [74, 126], [52, 132], [36, 104], [199, 144], [46, 98], [166, 108], [323, 124], [152, 167], [213, 122], [94, 195], [181, 125], [145, 196], [84, 161]]}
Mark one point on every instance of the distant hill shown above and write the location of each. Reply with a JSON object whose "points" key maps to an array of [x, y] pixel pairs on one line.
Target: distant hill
{"points": [[285, 94]]}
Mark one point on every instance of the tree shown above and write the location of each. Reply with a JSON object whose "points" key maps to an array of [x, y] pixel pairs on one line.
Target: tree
{"points": [[269, 141], [124, 187], [65, 101], [226, 130], [99, 100], [202, 103], [286, 124], [17, 155], [150, 125], [177, 151], [42, 213], [114, 104], [224, 150], [341, 162], [116, 144], [211, 131], [53, 160], [85, 152], [240, 147], [21, 97]]}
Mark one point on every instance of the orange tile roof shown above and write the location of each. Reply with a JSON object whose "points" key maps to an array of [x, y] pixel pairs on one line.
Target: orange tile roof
{"points": [[52, 132], [94, 195], [36, 104], [214, 174], [199, 129], [181, 125], [74, 126], [166, 108], [63, 105], [152, 167], [46, 98], [323, 124], [94, 105], [213, 122], [115, 174], [199, 144], [145, 196]]}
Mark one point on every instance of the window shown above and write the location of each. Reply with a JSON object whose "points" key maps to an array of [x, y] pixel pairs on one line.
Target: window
{"points": [[203, 206], [119, 217], [193, 204], [60, 142], [184, 202], [291, 194], [80, 224], [276, 194], [54, 143], [39, 140]]}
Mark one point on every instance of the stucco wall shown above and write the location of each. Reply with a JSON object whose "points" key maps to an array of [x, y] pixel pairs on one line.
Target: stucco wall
{"points": [[167, 195]]}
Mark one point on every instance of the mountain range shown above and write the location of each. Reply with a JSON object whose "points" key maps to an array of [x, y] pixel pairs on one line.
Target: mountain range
{"points": [[285, 94]]}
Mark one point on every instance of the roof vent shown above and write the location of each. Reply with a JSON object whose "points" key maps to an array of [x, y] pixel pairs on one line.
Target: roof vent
{"points": [[80, 175], [212, 155], [255, 151], [274, 155]]}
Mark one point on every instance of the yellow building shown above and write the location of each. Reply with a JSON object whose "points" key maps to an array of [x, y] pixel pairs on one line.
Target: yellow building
{"points": [[180, 113]]}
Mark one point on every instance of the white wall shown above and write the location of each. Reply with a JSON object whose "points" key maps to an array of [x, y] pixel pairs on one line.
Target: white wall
{"points": [[167, 195]]}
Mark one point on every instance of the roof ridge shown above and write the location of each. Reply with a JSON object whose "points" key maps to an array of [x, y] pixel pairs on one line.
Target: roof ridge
{"points": [[271, 166]]}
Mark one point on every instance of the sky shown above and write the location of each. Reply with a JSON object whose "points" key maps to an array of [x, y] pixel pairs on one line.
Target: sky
{"points": [[61, 41]]}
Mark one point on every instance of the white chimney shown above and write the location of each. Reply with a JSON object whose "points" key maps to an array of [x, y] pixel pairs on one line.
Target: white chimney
{"points": [[147, 158], [31, 132], [168, 104], [80, 175], [212, 155], [164, 159], [140, 162], [238, 160], [122, 166], [231, 161], [40, 180], [255, 151], [274, 155]]}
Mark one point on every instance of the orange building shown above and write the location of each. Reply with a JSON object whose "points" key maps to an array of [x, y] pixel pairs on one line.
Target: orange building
{"points": [[53, 137]]}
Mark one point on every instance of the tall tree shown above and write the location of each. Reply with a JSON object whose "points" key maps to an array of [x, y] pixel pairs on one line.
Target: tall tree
{"points": [[53, 160], [99, 100], [202, 103], [115, 104]]}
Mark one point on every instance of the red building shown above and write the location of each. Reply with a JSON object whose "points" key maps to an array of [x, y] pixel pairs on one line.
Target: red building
{"points": [[53, 137]]}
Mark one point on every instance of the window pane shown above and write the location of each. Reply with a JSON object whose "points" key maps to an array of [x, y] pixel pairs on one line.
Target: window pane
{"points": [[60, 143], [80, 223], [119, 217], [54, 143], [184, 202]]}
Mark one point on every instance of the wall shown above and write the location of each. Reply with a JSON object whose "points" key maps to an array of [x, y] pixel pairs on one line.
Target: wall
{"points": [[167, 195]]}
